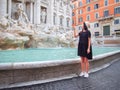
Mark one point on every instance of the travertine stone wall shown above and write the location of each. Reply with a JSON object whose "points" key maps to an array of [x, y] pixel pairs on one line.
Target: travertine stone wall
{"points": [[17, 76]]}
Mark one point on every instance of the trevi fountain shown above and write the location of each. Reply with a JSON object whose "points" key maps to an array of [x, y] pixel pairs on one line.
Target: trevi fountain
{"points": [[35, 24]]}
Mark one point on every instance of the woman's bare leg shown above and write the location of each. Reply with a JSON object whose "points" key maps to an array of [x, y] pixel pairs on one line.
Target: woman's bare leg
{"points": [[82, 64], [86, 67]]}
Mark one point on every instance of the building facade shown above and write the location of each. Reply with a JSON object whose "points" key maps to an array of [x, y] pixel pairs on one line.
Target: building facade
{"points": [[37, 12], [103, 15]]}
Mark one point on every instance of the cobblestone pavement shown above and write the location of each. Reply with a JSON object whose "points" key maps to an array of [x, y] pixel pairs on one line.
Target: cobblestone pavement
{"points": [[106, 79]]}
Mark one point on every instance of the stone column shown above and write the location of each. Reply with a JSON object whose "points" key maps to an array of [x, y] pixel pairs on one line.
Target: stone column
{"points": [[65, 18], [51, 5], [37, 12], [57, 17], [9, 7], [31, 12], [3, 8]]}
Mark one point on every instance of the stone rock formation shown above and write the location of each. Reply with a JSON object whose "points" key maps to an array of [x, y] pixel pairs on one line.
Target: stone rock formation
{"points": [[15, 36]]}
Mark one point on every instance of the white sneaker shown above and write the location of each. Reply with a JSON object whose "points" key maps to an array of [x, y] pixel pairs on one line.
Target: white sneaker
{"points": [[86, 75], [81, 74]]}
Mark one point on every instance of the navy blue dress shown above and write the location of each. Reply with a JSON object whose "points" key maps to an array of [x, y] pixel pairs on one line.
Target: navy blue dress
{"points": [[83, 45]]}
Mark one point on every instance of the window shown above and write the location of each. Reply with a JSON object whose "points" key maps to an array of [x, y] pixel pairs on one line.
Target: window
{"points": [[80, 12], [106, 13], [117, 21], [72, 21], [117, 31], [96, 6], [106, 2], [96, 15], [88, 17], [96, 25], [80, 28], [117, 10], [80, 19], [67, 22], [73, 14], [61, 21], [80, 3], [88, 8], [73, 6], [87, 1], [106, 30], [96, 33], [54, 19], [117, 1]]}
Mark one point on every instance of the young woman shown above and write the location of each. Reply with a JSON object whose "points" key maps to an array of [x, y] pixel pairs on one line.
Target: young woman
{"points": [[84, 48]]}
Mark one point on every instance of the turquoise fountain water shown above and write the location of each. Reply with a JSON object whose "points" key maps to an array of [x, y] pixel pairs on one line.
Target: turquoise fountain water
{"points": [[45, 54]]}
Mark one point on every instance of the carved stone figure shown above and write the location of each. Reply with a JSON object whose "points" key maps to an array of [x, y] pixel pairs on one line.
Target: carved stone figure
{"points": [[22, 17], [43, 15]]}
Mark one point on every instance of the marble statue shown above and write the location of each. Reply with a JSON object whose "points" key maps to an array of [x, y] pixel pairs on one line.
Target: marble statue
{"points": [[21, 13], [43, 15]]}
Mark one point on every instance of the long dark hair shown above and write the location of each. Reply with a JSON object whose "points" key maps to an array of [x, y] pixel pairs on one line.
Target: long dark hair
{"points": [[85, 26]]}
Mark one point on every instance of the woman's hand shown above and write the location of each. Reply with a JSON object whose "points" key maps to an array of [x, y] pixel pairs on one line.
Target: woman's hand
{"points": [[88, 51], [75, 32]]}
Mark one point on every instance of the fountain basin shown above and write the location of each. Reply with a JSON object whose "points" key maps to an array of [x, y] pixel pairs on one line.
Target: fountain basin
{"points": [[29, 73]]}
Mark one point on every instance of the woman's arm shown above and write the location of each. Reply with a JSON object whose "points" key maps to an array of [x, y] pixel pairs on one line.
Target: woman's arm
{"points": [[89, 42], [75, 33]]}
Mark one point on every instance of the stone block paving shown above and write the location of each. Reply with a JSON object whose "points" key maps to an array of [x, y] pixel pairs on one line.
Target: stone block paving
{"points": [[105, 79]]}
